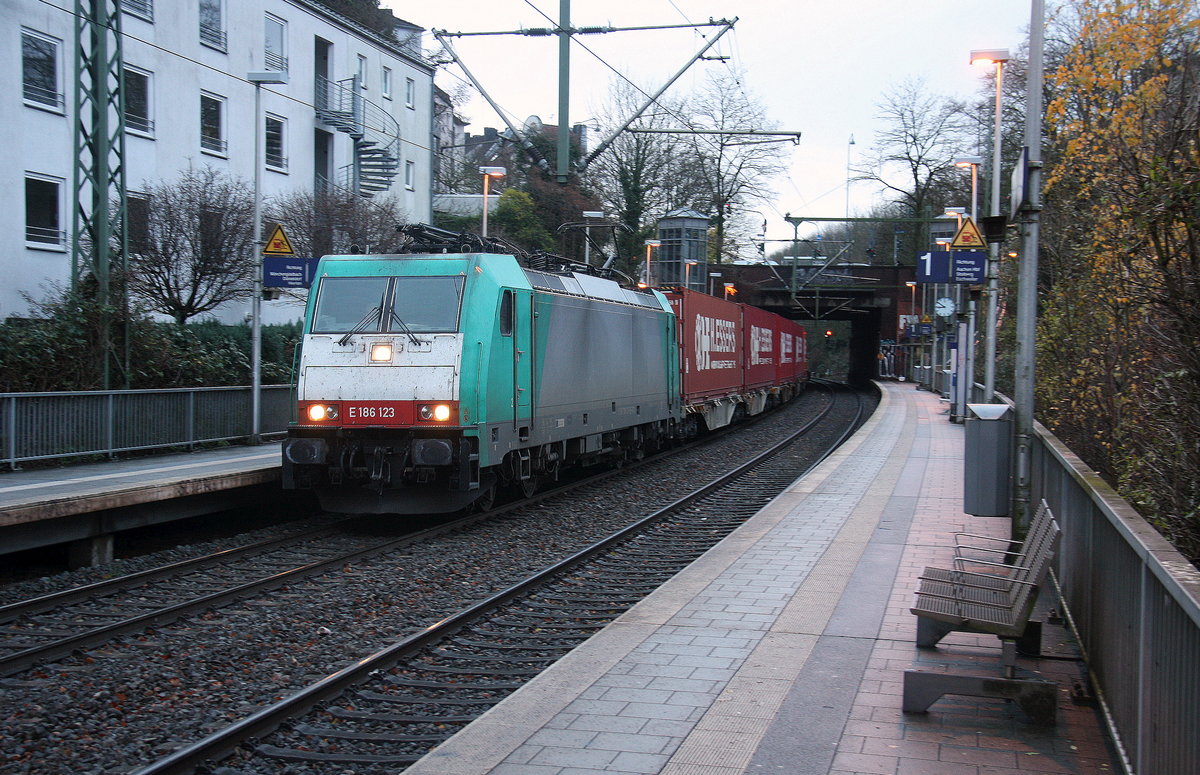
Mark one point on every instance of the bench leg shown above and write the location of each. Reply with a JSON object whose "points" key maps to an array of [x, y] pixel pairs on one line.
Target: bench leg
{"points": [[1038, 699], [931, 631]]}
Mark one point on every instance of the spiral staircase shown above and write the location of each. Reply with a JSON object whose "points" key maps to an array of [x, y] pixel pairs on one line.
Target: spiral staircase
{"points": [[376, 135]]}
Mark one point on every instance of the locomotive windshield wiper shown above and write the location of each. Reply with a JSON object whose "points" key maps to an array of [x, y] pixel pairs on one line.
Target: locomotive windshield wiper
{"points": [[404, 327], [361, 325]]}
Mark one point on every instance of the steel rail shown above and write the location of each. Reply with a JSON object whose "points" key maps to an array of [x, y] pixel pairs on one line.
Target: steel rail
{"points": [[223, 742], [22, 660], [18, 661], [73, 595]]}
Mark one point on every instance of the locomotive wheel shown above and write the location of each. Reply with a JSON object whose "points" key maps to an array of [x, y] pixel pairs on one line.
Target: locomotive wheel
{"points": [[486, 500], [528, 486]]}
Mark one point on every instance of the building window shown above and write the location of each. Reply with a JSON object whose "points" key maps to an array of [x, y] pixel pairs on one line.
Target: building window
{"points": [[137, 101], [212, 123], [138, 205], [410, 174], [43, 212], [362, 71], [212, 24], [39, 71], [410, 92], [143, 9], [274, 140], [275, 45], [385, 83]]}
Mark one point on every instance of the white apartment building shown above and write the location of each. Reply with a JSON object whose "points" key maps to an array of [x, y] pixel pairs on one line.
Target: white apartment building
{"points": [[188, 103]]}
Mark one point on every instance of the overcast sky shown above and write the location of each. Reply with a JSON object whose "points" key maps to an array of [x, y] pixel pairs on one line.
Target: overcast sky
{"points": [[819, 66]]}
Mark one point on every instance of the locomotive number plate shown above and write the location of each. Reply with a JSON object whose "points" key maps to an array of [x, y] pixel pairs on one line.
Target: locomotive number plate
{"points": [[375, 412]]}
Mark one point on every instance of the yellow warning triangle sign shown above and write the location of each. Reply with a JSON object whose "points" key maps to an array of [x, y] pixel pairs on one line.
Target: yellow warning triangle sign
{"points": [[277, 244], [968, 237]]}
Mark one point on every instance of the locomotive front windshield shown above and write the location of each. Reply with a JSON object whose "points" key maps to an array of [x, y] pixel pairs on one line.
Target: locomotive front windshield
{"points": [[388, 304]]}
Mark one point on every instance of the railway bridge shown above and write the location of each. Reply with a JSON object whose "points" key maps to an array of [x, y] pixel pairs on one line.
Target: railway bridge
{"points": [[871, 298]]}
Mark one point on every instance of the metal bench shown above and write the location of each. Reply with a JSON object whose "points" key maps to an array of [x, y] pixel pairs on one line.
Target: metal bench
{"points": [[999, 601]]}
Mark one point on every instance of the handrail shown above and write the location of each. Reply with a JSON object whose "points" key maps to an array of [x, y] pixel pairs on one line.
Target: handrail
{"points": [[60, 424]]}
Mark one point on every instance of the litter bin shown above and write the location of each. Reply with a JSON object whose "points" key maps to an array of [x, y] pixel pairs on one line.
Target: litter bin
{"points": [[987, 460]]}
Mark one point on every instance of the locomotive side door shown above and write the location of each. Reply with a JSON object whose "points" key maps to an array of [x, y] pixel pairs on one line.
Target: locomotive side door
{"points": [[523, 358]]}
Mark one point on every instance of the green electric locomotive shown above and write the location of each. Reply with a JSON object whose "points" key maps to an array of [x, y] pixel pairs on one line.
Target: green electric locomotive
{"points": [[428, 381]]}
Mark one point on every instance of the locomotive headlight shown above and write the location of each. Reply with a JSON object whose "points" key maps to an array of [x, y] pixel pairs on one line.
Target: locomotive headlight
{"points": [[381, 353], [319, 412], [435, 412]]}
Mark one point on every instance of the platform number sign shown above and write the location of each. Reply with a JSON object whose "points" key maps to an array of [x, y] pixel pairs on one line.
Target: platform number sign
{"points": [[967, 267]]}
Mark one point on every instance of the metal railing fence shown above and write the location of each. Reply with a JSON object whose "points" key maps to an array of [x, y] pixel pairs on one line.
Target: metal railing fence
{"points": [[41, 426], [1134, 602]]}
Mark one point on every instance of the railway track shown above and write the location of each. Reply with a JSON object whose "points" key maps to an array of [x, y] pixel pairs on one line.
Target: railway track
{"points": [[389, 709], [40, 630]]}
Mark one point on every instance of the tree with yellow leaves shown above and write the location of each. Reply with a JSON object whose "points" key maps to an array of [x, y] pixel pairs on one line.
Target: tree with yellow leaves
{"points": [[1121, 307]]}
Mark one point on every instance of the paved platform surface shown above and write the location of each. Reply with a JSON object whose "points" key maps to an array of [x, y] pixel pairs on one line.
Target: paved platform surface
{"points": [[782, 649], [49, 493]]}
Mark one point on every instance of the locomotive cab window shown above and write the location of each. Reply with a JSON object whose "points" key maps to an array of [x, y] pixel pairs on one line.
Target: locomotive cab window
{"points": [[426, 304], [388, 304], [344, 302], [506, 314]]}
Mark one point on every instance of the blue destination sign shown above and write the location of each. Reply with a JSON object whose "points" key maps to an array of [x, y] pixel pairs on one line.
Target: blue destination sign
{"points": [[967, 267], [288, 271]]}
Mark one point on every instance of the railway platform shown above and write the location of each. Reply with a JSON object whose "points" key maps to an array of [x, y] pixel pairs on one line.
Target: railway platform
{"points": [[85, 505], [782, 649]]}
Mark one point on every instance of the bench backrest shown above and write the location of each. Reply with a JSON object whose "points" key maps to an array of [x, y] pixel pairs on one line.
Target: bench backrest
{"points": [[1040, 530], [1040, 550]]}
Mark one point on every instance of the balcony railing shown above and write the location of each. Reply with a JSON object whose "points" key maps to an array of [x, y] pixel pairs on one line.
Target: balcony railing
{"points": [[212, 36], [139, 124], [43, 96], [214, 144], [41, 235], [275, 61], [140, 8]]}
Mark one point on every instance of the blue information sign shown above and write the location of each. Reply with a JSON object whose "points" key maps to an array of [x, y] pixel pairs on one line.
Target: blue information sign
{"points": [[288, 271], [968, 267]]}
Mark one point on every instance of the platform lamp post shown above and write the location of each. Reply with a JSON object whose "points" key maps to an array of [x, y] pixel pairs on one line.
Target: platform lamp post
{"points": [[587, 233], [258, 78], [912, 313], [651, 244], [963, 162], [488, 173], [986, 58], [973, 162], [687, 273]]}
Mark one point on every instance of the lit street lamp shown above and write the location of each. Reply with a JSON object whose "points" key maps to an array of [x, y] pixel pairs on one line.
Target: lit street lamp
{"points": [[973, 162], [258, 78], [985, 58], [687, 273], [650, 245], [489, 173]]}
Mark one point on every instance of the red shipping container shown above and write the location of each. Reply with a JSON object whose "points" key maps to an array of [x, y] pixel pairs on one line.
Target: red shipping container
{"points": [[710, 345], [793, 349], [761, 334]]}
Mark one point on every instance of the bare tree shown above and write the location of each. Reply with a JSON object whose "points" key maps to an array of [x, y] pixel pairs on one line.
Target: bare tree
{"points": [[322, 222], [192, 244], [730, 168], [636, 176], [914, 156]]}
